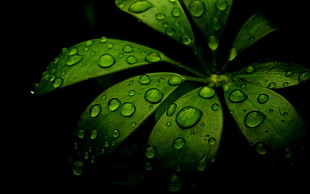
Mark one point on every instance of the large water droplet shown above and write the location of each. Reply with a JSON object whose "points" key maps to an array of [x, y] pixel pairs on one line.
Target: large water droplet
{"points": [[140, 6], [188, 117], [175, 80], [106, 60], [72, 60], [262, 98], [57, 82], [95, 110], [150, 152], [178, 143], [128, 109], [114, 104], [237, 95], [153, 57], [153, 95], [171, 109], [254, 119], [196, 8], [206, 92], [144, 79]]}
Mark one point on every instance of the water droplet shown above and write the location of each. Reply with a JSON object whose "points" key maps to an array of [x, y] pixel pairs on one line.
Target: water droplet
{"points": [[95, 110], [262, 98], [153, 95], [104, 39], [304, 76], [144, 79], [232, 54], [221, 5], [128, 109], [260, 148], [148, 166], [171, 109], [175, 183], [213, 43], [178, 143], [250, 69], [188, 117], [106, 60], [176, 12], [78, 168], [160, 16], [211, 140], [170, 31], [110, 45], [206, 92], [57, 82], [289, 74], [237, 95], [254, 119], [216, 24], [140, 6], [131, 59], [186, 40], [93, 134], [175, 80], [127, 48], [131, 93], [285, 84], [196, 8], [202, 164], [72, 60], [153, 57], [89, 42], [80, 133], [73, 51], [150, 152], [115, 133], [272, 85], [168, 123], [114, 104], [215, 107]]}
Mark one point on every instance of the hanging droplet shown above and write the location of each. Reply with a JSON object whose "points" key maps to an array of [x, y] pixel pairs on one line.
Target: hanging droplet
{"points": [[213, 43], [153, 57], [237, 95], [144, 79], [175, 183], [78, 168], [196, 8], [188, 117], [175, 80], [171, 109], [150, 152], [57, 82], [262, 98], [115, 133], [153, 95], [127, 48], [114, 104], [140, 6], [131, 59], [206, 92], [260, 148], [95, 110], [254, 119], [128, 109], [106, 60], [178, 143], [221, 5], [216, 24]]}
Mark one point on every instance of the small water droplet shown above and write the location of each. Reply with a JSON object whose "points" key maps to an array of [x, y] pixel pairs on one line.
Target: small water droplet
{"points": [[289, 74], [89, 42], [221, 5], [127, 48], [250, 69], [304, 76], [254, 119], [153, 95], [237, 95], [73, 51], [285, 84], [213, 43], [140, 6], [171, 109], [114, 104], [262, 98], [93, 134], [131, 59], [128, 109], [216, 24], [175, 80], [115, 133], [188, 117], [72, 60], [176, 12], [57, 82], [78, 168], [170, 31], [175, 183], [178, 143], [202, 164], [196, 8], [215, 107], [95, 110], [106, 60], [104, 39], [186, 40], [168, 123], [150, 152], [160, 16], [131, 92], [144, 79], [272, 85], [80, 134], [153, 57], [148, 166], [260, 148], [232, 54], [211, 140], [206, 92]]}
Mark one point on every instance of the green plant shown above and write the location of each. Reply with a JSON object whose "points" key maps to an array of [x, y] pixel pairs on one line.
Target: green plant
{"points": [[187, 106]]}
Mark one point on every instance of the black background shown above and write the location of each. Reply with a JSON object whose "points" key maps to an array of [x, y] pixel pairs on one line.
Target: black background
{"points": [[39, 128]]}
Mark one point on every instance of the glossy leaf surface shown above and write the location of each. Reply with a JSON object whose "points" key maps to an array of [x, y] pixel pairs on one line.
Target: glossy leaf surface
{"points": [[274, 74], [210, 16], [165, 16], [188, 134], [95, 58], [119, 111], [267, 120]]}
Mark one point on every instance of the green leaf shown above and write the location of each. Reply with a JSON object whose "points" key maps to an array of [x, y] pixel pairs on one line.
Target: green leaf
{"points": [[267, 120], [274, 74], [255, 28], [188, 133], [211, 17], [95, 58], [165, 16], [119, 111]]}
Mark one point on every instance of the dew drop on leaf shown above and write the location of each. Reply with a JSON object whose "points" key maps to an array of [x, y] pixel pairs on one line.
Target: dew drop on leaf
{"points": [[232, 54], [95, 110], [176, 12], [272, 85], [140, 6], [104, 39], [170, 31], [106, 60], [72, 60], [153, 57], [80, 134], [78, 168], [131, 59], [93, 134], [115, 133], [160, 16], [216, 24], [175, 183], [262, 98], [131, 92], [171, 109], [153, 95], [114, 104], [215, 106], [150, 152], [73, 51], [304, 76], [178, 143], [127, 48], [188, 117], [128, 109], [260, 148], [186, 40], [254, 119], [206, 92], [57, 82], [221, 5], [213, 43], [196, 8], [144, 79], [175, 80], [237, 96], [211, 140], [250, 69]]}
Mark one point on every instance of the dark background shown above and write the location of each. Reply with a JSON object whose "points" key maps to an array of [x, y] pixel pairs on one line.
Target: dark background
{"points": [[39, 131]]}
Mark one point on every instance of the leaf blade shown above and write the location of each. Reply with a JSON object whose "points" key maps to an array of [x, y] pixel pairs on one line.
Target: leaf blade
{"points": [[188, 133], [95, 58]]}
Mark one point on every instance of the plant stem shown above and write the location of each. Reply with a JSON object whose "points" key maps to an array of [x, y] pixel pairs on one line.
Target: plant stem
{"points": [[201, 60], [184, 67]]}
